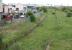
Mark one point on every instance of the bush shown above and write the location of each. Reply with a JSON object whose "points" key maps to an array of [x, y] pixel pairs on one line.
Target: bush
{"points": [[69, 14], [53, 13], [63, 9], [31, 15], [70, 10], [38, 8], [44, 9], [1, 42], [32, 18]]}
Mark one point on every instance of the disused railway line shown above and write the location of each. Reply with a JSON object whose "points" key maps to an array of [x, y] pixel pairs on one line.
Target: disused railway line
{"points": [[24, 34]]}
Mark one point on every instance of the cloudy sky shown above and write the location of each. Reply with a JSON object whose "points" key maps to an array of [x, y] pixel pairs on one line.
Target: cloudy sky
{"points": [[43, 2]]}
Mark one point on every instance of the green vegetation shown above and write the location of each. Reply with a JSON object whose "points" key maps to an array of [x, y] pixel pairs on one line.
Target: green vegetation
{"points": [[15, 31], [69, 14], [56, 28], [31, 16], [44, 9], [1, 42]]}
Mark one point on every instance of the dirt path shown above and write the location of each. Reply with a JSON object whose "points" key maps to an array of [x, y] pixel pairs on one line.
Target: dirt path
{"points": [[49, 45], [25, 33]]}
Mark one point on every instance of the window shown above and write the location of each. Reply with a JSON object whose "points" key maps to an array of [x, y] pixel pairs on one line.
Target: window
{"points": [[17, 9], [13, 5]]}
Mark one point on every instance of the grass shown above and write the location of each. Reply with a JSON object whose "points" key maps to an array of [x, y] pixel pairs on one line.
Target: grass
{"points": [[15, 31], [57, 28]]}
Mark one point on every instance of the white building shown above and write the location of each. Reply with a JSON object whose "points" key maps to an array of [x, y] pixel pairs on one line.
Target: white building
{"points": [[32, 7], [8, 8], [5, 8], [19, 6], [1, 10], [1, 7]]}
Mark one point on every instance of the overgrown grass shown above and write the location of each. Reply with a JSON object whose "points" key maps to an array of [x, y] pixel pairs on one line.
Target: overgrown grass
{"points": [[57, 28], [16, 31], [11, 32]]}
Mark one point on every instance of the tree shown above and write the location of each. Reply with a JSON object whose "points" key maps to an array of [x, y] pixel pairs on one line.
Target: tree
{"points": [[32, 18], [39, 8], [44, 9], [31, 15]]}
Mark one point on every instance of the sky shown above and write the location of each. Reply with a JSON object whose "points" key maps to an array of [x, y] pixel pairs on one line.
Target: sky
{"points": [[41, 2]]}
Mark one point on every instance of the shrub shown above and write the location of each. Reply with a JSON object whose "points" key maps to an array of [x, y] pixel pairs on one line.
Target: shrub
{"points": [[1, 42], [32, 18], [31, 15], [44, 9], [70, 10], [53, 13], [38, 8], [69, 14], [63, 9]]}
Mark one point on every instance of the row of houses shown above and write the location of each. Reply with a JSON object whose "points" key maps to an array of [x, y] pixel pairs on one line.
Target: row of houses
{"points": [[16, 9]]}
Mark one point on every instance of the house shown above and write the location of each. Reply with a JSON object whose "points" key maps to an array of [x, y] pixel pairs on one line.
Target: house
{"points": [[19, 6], [1, 10], [1, 7], [5, 8], [32, 7], [8, 8], [20, 9], [16, 10], [24, 10]]}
